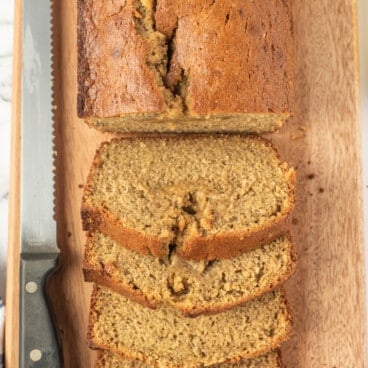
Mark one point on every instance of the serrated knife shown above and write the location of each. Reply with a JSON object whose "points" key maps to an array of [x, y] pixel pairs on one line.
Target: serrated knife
{"points": [[39, 345]]}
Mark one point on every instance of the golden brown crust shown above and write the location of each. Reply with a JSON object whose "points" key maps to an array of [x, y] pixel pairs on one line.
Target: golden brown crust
{"points": [[83, 109], [100, 219], [141, 357], [99, 363], [279, 358], [241, 60], [99, 276], [91, 319], [211, 247], [108, 85], [230, 245]]}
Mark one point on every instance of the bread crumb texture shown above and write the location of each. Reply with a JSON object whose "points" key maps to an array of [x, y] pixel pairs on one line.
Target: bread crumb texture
{"points": [[194, 287], [121, 326], [106, 359], [184, 65], [179, 189]]}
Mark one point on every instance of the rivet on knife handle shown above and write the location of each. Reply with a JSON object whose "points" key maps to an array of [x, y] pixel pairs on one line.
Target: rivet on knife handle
{"points": [[38, 342], [39, 346]]}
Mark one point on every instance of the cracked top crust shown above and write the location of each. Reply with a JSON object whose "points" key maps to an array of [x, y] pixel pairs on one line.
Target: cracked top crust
{"points": [[221, 57], [113, 75], [236, 54]]}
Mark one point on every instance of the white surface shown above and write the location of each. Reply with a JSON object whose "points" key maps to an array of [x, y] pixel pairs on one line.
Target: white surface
{"points": [[6, 44]]}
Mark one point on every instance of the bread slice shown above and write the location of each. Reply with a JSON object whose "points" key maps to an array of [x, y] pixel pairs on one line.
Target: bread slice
{"points": [[165, 338], [106, 359], [193, 287], [184, 65], [210, 197]]}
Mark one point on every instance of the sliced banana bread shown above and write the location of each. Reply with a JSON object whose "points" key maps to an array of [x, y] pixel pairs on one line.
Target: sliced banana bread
{"points": [[194, 287], [165, 338], [184, 65], [210, 197], [106, 359]]}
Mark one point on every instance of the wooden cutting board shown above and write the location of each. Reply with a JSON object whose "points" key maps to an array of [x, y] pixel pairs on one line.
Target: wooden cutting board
{"points": [[322, 141]]}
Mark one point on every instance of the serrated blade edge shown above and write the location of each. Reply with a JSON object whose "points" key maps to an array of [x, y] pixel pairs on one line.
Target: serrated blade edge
{"points": [[38, 226]]}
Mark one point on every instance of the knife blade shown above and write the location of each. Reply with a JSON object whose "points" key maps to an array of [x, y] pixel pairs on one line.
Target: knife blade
{"points": [[39, 345]]}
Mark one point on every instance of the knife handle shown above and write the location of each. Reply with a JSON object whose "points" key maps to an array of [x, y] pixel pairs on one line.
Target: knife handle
{"points": [[38, 342]]}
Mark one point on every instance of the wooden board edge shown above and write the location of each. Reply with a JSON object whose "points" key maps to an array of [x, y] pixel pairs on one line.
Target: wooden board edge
{"points": [[12, 284], [358, 85], [14, 239], [363, 241]]}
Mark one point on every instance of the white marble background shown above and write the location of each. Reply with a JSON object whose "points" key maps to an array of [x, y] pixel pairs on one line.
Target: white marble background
{"points": [[6, 45]]}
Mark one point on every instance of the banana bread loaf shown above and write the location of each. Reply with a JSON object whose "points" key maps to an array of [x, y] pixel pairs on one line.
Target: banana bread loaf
{"points": [[106, 359], [165, 338], [185, 66], [193, 287], [207, 197]]}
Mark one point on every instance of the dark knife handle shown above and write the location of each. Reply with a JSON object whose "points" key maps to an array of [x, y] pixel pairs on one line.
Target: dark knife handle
{"points": [[38, 342]]}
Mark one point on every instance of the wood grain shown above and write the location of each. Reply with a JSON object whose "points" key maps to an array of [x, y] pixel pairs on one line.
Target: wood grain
{"points": [[327, 293], [322, 141], [12, 282]]}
